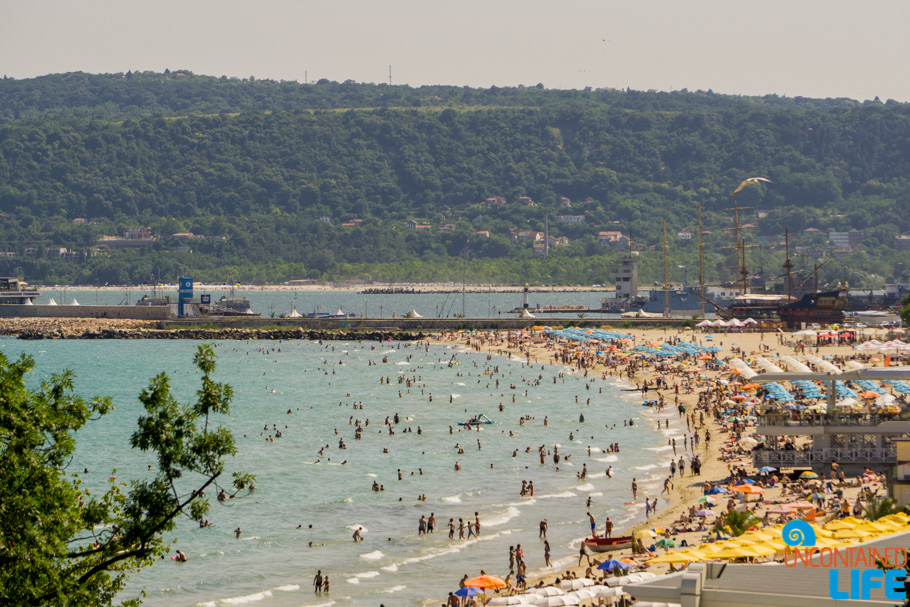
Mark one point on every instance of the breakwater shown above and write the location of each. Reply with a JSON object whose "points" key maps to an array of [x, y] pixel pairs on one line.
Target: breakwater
{"points": [[263, 328]]}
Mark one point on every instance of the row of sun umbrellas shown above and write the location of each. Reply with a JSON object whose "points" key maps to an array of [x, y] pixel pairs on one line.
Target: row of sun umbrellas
{"points": [[768, 541], [570, 592]]}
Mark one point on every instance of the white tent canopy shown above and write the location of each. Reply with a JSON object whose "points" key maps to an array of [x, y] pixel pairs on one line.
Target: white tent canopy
{"points": [[295, 314]]}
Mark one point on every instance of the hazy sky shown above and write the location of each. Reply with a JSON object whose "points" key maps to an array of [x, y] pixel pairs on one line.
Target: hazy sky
{"points": [[834, 48]]}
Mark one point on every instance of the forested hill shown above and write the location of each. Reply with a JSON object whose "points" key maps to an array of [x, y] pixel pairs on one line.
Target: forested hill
{"points": [[276, 167]]}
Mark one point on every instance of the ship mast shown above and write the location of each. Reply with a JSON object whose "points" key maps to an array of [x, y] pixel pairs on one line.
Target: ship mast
{"points": [[701, 263], [788, 264], [666, 276], [739, 248]]}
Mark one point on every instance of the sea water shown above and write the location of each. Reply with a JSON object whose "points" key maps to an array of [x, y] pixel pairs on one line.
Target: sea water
{"points": [[273, 562]]}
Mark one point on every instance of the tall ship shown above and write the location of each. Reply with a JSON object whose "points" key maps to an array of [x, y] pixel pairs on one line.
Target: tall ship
{"points": [[12, 291]]}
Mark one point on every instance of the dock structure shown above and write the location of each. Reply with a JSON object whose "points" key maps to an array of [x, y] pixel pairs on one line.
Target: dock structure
{"points": [[854, 440]]}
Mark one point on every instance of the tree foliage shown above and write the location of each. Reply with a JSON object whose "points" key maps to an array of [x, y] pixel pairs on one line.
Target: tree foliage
{"points": [[260, 163], [61, 544]]}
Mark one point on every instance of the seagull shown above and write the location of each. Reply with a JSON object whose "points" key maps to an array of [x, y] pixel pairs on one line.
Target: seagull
{"points": [[748, 181]]}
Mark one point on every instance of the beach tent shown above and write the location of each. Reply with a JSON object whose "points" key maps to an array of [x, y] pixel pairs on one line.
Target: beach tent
{"points": [[413, 314], [75, 303], [704, 323], [52, 302], [295, 314], [526, 314]]}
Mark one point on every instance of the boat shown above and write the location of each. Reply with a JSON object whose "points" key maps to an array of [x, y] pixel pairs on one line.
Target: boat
{"points": [[824, 308], [232, 306], [608, 544], [477, 420], [13, 292]]}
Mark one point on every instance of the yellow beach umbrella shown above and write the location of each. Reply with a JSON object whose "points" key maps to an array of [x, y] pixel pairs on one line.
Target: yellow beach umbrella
{"points": [[845, 534], [839, 525], [736, 552], [674, 557]]}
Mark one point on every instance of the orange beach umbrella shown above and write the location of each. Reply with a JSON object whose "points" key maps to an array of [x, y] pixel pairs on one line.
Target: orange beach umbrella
{"points": [[747, 489], [486, 581]]}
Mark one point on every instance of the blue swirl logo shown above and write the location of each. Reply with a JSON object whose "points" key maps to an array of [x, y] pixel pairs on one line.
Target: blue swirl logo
{"points": [[798, 533]]}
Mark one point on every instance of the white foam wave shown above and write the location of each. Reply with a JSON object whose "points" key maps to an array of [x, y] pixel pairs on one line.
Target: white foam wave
{"points": [[456, 395], [372, 556], [403, 363], [391, 568], [664, 448], [503, 518], [252, 537], [596, 493], [585, 487], [362, 576], [648, 467], [609, 458], [452, 499], [288, 588], [398, 588], [557, 495], [371, 475], [250, 598], [460, 383]]}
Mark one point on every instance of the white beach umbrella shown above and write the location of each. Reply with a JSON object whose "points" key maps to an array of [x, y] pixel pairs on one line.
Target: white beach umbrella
{"points": [[606, 591], [584, 594], [547, 591], [518, 599], [576, 584], [555, 601]]}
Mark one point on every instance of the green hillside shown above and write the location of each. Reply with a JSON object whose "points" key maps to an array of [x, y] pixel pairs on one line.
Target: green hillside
{"points": [[264, 174]]}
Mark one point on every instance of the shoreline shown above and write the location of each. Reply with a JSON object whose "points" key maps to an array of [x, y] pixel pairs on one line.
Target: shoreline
{"points": [[716, 457], [671, 505]]}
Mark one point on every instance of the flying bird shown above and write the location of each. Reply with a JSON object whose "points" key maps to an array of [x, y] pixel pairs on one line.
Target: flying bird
{"points": [[748, 181]]}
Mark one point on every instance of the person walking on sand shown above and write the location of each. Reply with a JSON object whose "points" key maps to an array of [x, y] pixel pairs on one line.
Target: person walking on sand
{"points": [[583, 553]]}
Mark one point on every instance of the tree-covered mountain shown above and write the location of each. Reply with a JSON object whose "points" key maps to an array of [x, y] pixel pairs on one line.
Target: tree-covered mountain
{"points": [[269, 171]]}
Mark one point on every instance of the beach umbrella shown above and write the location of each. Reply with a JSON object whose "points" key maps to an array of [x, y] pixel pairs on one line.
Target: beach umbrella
{"points": [[665, 543], [546, 591], [555, 601], [705, 512], [675, 558], [582, 582], [766, 469], [584, 594], [606, 591], [845, 534], [468, 591], [716, 490], [518, 599], [735, 552], [808, 475], [747, 489], [645, 533], [610, 565], [486, 581], [707, 499]]}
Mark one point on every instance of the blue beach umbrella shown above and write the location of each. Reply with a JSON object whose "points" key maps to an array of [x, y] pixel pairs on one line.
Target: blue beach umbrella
{"points": [[766, 469], [717, 490], [611, 564], [468, 591]]}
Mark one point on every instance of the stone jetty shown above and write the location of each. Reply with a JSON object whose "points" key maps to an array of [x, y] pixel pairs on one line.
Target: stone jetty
{"points": [[93, 328]]}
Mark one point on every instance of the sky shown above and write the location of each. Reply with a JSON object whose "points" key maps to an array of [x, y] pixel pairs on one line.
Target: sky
{"points": [[804, 48]]}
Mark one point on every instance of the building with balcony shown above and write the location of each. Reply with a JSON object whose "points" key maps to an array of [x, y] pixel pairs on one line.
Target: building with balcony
{"points": [[855, 440]]}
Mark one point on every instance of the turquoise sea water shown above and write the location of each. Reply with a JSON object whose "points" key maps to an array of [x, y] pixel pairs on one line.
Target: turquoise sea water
{"points": [[273, 562]]}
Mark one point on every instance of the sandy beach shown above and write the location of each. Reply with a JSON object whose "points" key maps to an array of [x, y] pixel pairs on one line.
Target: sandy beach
{"points": [[718, 457]]}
